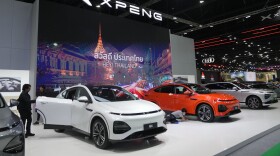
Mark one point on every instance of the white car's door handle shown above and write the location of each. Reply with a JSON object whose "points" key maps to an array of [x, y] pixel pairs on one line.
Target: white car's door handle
{"points": [[43, 102]]}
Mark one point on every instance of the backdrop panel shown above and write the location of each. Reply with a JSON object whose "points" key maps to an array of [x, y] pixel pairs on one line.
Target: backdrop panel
{"points": [[80, 46]]}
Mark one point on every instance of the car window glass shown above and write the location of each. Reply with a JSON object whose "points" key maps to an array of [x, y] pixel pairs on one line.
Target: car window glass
{"points": [[167, 89], [214, 86], [157, 90], [71, 94], [241, 85], [111, 93], [63, 94], [83, 92], [226, 86], [180, 89], [198, 88]]}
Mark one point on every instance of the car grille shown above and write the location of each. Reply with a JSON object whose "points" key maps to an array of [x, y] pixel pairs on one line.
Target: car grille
{"points": [[146, 133]]}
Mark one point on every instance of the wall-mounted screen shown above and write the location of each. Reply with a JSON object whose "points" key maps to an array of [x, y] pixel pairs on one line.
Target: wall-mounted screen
{"points": [[80, 46]]}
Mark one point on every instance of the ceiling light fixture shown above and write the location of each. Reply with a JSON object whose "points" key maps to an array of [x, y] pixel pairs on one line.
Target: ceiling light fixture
{"points": [[87, 2], [201, 1], [98, 6], [211, 26], [174, 18], [248, 16]]}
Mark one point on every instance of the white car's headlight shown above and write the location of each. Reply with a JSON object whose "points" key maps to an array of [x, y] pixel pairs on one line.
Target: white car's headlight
{"points": [[266, 96]]}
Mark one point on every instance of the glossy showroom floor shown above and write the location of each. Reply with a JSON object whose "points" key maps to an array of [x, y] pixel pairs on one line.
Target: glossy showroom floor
{"points": [[186, 138]]}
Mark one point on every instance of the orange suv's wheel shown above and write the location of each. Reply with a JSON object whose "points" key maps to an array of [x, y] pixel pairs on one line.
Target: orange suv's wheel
{"points": [[205, 113]]}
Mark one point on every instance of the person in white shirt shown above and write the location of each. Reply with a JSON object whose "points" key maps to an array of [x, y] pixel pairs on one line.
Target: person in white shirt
{"points": [[179, 114]]}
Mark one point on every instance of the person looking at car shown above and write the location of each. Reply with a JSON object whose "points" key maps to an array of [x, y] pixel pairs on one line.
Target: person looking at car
{"points": [[24, 108], [174, 116], [41, 92]]}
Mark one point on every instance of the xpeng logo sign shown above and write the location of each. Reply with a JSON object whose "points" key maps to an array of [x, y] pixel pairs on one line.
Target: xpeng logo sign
{"points": [[133, 9]]}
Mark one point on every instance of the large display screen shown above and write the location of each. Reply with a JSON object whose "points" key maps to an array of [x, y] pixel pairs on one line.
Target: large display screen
{"points": [[80, 46]]}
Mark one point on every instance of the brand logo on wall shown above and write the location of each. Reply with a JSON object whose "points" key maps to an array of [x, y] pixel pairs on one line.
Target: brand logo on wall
{"points": [[208, 60], [132, 9]]}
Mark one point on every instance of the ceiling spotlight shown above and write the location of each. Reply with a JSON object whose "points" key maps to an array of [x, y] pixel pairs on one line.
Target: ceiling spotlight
{"points": [[248, 16], [211, 26], [201, 1], [200, 26], [174, 18], [98, 6], [55, 44], [185, 33], [87, 2]]}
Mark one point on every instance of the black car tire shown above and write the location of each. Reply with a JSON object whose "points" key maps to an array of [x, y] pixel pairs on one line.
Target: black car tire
{"points": [[254, 102], [100, 134], [205, 113]]}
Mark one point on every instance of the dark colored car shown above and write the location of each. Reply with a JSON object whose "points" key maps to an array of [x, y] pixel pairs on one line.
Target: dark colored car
{"points": [[12, 142]]}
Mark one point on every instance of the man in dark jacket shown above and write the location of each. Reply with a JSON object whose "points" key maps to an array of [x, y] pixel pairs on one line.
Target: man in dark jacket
{"points": [[42, 92], [24, 108]]}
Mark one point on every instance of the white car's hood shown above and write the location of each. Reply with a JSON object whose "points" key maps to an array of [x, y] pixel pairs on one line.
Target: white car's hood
{"points": [[133, 106], [259, 91]]}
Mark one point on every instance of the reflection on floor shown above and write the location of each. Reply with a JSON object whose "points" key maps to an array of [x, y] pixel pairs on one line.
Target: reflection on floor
{"points": [[191, 137]]}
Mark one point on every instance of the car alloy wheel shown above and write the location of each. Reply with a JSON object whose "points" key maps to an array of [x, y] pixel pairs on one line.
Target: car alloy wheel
{"points": [[205, 113], [100, 134], [254, 102]]}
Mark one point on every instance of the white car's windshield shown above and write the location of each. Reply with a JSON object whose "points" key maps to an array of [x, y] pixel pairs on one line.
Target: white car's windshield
{"points": [[111, 94]]}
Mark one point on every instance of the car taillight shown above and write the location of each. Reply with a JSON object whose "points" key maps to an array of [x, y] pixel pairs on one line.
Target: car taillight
{"points": [[16, 145]]}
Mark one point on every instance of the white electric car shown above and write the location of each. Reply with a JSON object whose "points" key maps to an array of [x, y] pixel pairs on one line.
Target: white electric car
{"points": [[105, 113], [253, 98]]}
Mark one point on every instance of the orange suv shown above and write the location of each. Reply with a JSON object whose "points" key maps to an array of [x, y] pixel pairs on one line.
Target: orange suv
{"points": [[196, 99]]}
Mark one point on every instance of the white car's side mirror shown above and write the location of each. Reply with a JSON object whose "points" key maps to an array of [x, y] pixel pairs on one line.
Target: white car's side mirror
{"points": [[83, 99]]}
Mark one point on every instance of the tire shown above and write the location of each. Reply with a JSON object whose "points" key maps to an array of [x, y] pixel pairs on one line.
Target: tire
{"points": [[254, 102], [205, 113], [100, 134], [59, 130]]}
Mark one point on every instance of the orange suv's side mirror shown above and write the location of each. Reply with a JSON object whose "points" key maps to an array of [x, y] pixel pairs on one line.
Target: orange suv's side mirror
{"points": [[187, 92]]}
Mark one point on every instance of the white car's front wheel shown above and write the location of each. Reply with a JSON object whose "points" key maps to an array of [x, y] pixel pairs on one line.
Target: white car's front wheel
{"points": [[100, 134]]}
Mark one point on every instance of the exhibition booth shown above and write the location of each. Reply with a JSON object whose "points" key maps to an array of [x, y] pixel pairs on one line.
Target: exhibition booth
{"points": [[59, 46]]}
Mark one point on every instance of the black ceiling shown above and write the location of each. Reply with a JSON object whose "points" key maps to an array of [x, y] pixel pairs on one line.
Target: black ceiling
{"points": [[189, 10], [239, 34]]}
